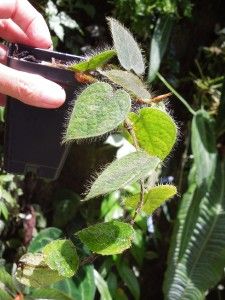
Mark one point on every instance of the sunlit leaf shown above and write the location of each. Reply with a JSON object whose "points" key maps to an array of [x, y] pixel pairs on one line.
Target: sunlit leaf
{"points": [[128, 51], [61, 255], [153, 199], [4, 295], [33, 271], [97, 111], [102, 286], [93, 62], [122, 172], [155, 130], [129, 82], [107, 238]]}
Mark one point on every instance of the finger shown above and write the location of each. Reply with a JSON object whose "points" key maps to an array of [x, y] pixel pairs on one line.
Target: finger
{"points": [[28, 19], [2, 100], [11, 32], [3, 54], [30, 88]]}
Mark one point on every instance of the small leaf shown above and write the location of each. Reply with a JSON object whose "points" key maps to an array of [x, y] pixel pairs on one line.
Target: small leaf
{"points": [[159, 44], [94, 62], [128, 51], [129, 82], [153, 199], [44, 237], [155, 131], [122, 172], [107, 238], [102, 286], [97, 111], [4, 210], [33, 271], [61, 255]]}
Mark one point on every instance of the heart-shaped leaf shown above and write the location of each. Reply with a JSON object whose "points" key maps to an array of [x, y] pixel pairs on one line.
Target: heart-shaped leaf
{"points": [[107, 238], [153, 199], [155, 131], [122, 172], [128, 51], [61, 255], [94, 62], [33, 271], [97, 110], [129, 82]]}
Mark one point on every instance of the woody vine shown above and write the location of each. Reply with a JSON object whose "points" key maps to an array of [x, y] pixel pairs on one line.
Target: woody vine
{"points": [[107, 104]]}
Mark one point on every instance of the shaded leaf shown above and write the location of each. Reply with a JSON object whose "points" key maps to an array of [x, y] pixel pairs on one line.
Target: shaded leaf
{"points": [[4, 210], [155, 130], [67, 287], [159, 44], [6, 279], [4, 295], [94, 62], [85, 283], [129, 82], [112, 283], [102, 286], [97, 111], [107, 238], [220, 120], [61, 255], [122, 172], [44, 237], [128, 51], [50, 294], [153, 199], [203, 146], [33, 271]]}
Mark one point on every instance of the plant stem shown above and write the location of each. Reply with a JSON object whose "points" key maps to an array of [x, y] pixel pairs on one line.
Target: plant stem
{"points": [[176, 93], [130, 129]]}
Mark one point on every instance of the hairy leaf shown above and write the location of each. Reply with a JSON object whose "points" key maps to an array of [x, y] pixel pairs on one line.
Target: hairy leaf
{"points": [[61, 255], [128, 51], [122, 172], [155, 130], [44, 237], [153, 199], [159, 44], [107, 238], [94, 62], [97, 111], [33, 271], [129, 82], [102, 286], [203, 146]]}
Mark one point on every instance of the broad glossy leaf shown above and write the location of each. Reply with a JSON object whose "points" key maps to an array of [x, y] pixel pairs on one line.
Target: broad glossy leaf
{"points": [[94, 62], [50, 294], [61, 255], [122, 172], [203, 146], [102, 286], [129, 82], [44, 237], [128, 51], [85, 283], [155, 130], [107, 238], [97, 111], [153, 199], [33, 271], [159, 44]]}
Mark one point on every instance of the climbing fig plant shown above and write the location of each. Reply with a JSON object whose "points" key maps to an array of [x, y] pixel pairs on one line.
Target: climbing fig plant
{"points": [[115, 98]]}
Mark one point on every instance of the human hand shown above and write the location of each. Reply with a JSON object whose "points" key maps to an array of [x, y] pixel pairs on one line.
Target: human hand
{"points": [[20, 22]]}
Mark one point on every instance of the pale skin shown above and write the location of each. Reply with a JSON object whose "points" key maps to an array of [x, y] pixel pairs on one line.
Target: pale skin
{"points": [[21, 23]]}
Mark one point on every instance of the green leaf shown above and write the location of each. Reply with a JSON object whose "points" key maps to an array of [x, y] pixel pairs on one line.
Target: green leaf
{"points": [[4, 210], [112, 283], [97, 111], [102, 286], [197, 256], [50, 294], [122, 172], [107, 238], [138, 248], [85, 283], [67, 287], [94, 62], [129, 82], [61, 255], [159, 44], [153, 199], [44, 237], [33, 271], [4, 295], [220, 120], [120, 295], [155, 130], [128, 51], [128, 278], [203, 146], [6, 279]]}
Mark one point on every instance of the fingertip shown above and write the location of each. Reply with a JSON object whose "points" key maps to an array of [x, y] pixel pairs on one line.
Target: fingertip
{"points": [[3, 54], [52, 95]]}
